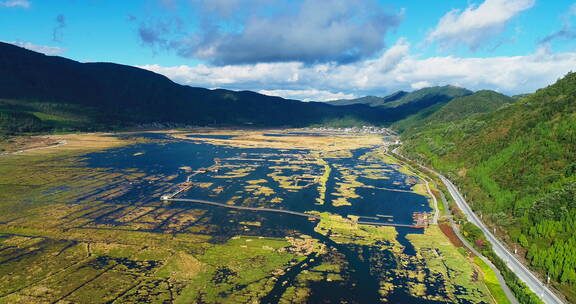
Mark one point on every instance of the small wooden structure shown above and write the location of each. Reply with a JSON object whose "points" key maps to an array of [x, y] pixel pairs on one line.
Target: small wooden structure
{"points": [[420, 219], [185, 186]]}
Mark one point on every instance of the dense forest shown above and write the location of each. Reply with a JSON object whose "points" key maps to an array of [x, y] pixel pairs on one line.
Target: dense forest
{"points": [[427, 96], [516, 163], [459, 109]]}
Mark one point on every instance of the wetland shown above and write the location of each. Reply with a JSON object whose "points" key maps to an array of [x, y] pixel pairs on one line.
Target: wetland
{"points": [[84, 222]]}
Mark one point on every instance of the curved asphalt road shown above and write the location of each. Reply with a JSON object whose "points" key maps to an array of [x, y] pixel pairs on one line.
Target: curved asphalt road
{"points": [[539, 288], [456, 230], [516, 266]]}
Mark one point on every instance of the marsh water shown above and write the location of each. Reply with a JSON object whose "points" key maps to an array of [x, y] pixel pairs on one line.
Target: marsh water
{"points": [[291, 183]]}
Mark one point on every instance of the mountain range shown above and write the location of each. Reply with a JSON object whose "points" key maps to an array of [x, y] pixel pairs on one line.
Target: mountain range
{"points": [[372, 101], [42, 93], [39, 91], [418, 99]]}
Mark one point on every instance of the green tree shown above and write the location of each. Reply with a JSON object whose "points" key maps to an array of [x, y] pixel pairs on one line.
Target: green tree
{"points": [[523, 240]]}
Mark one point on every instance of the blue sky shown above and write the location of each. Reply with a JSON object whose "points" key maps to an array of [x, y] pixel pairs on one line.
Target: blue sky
{"points": [[310, 49]]}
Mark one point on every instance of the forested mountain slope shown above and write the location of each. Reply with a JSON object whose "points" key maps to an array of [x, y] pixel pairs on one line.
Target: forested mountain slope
{"points": [[517, 166], [430, 96], [39, 92], [459, 108], [372, 101], [418, 99], [480, 102]]}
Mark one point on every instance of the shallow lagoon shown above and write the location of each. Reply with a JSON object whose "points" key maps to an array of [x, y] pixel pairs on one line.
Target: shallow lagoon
{"points": [[168, 158], [90, 228], [289, 179]]}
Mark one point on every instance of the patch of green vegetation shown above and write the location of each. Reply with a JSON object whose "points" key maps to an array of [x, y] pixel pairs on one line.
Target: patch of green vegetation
{"points": [[16, 122], [237, 173], [492, 282], [347, 231], [420, 189], [180, 266], [475, 236], [328, 271], [259, 190], [18, 116], [342, 122], [239, 271], [389, 159], [40, 250], [375, 173], [417, 118], [442, 258], [149, 291], [430, 95], [48, 270], [346, 188], [41, 179], [323, 180]]}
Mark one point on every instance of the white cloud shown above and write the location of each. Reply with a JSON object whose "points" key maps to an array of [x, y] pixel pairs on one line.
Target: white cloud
{"points": [[15, 3], [476, 24], [230, 75], [420, 85], [308, 95], [515, 74], [246, 32], [47, 50], [396, 69]]}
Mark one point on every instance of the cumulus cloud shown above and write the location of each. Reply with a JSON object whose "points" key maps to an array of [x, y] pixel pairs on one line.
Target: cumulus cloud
{"points": [[567, 31], [476, 25], [507, 74], [47, 50], [309, 31], [308, 95], [15, 3], [420, 85]]}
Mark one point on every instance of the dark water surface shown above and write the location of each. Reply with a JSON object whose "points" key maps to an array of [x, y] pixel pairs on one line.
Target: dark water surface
{"points": [[362, 273]]}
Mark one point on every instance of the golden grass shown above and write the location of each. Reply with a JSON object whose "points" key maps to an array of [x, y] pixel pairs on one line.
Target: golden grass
{"points": [[181, 266], [347, 231], [80, 143], [257, 181], [255, 139], [347, 189], [258, 190], [323, 180]]}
